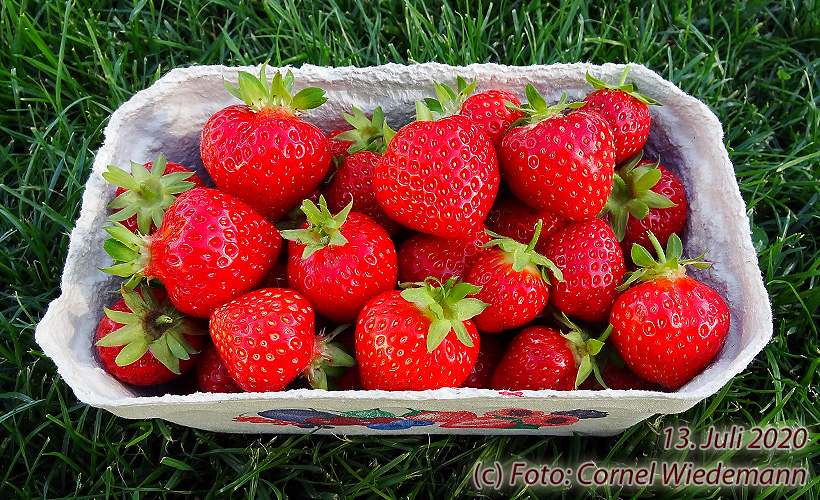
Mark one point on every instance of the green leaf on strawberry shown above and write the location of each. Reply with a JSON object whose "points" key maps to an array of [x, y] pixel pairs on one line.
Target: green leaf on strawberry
{"points": [[537, 109], [331, 361], [368, 134], [524, 255], [627, 88], [670, 262], [255, 92], [448, 101], [324, 228]]}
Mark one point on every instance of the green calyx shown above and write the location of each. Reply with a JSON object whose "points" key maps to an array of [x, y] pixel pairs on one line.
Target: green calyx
{"points": [[622, 86], [525, 255], [585, 348], [150, 326], [332, 362], [670, 262], [536, 108], [129, 251], [324, 229], [258, 95], [447, 306], [448, 101], [148, 193], [368, 134], [632, 194]]}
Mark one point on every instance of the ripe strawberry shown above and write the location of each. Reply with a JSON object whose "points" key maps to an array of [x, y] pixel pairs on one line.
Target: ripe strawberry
{"points": [[144, 340], [560, 163], [338, 147], [261, 152], [268, 337], [145, 194], [669, 327], [212, 374], [209, 249], [424, 255], [340, 262], [627, 112], [419, 338], [592, 264], [439, 174], [618, 378], [645, 197], [489, 356], [512, 218], [513, 280], [490, 112]]}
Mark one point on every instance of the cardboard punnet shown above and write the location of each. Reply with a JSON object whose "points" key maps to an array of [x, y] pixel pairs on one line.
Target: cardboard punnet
{"points": [[168, 117]]}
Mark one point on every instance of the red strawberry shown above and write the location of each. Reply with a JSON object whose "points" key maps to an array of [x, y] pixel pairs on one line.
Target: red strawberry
{"points": [[618, 378], [212, 374], [424, 255], [489, 356], [147, 192], [340, 262], [627, 112], [144, 340], [261, 151], [560, 163], [669, 327], [489, 110], [267, 338], [420, 338], [592, 264], [209, 249], [439, 174], [645, 197], [512, 218], [541, 357], [513, 281], [338, 147]]}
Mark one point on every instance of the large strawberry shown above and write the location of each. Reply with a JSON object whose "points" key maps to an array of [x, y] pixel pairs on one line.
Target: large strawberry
{"points": [[513, 280], [267, 338], [668, 327], [209, 249], [419, 338], [439, 174], [425, 255], [627, 112], [262, 152], [145, 194], [339, 262], [144, 340], [490, 111], [592, 264], [558, 162]]}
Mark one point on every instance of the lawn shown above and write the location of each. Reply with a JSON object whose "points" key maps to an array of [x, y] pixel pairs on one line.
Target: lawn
{"points": [[66, 66]]}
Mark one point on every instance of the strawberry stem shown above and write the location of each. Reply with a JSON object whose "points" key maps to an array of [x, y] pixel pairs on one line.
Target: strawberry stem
{"points": [[258, 95], [669, 262], [324, 229]]}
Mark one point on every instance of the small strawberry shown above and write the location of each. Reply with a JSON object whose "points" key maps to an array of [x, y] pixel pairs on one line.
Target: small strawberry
{"points": [[511, 218], [267, 338], [144, 340], [212, 374], [262, 152], [668, 327], [419, 338], [489, 110], [592, 265], [338, 147], [557, 162], [209, 249], [619, 378], [424, 255], [489, 356], [627, 112], [145, 194], [513, 280], [439, 174], [339, 262]]}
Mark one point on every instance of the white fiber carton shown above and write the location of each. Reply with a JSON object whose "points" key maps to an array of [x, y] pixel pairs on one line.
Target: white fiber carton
{"points": [[168, 118]]}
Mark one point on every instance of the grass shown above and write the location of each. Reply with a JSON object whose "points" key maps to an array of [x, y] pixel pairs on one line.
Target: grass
{"points": [[65, 66]]}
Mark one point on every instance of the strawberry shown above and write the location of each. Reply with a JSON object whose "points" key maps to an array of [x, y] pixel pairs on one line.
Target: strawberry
{"points": [[592, 265], [340, 262], [338, 147], [560, 163], [262, 152], [439, 174], [489, 110], [209, 249], [513, 280], [144, 340], [627, 112], [212, 374], [668, 327], [489, 356], [511, 218], [419, 338], [424, 255], [267, 338], [646, 196], [618, 378], [145, 194]]}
